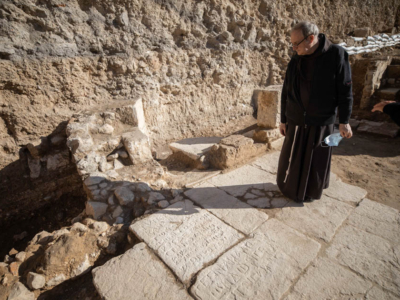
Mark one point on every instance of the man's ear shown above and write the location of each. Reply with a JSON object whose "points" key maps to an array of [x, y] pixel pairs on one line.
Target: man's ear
{"points": [[311, 38]]}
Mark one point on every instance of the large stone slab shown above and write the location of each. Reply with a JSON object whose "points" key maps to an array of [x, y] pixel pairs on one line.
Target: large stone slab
{"points": [[195, 147], [345, 192], [378, 219], [385, 129], [185, 237], [263, 267], [369, 255], [137, 274], [240, 180], [232, 211], [319, 219], [268, 162], [325, 279]]}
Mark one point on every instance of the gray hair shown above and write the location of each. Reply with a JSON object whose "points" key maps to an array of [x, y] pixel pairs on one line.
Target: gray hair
{"points": [[307, 28]]}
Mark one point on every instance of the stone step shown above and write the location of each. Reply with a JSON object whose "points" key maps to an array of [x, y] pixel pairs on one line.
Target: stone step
{"points": [[385, 129], [388, 93], [393, 71]]}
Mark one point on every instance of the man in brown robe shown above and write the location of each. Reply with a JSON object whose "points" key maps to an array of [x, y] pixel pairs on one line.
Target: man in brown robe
{"points": [[317, 85]]}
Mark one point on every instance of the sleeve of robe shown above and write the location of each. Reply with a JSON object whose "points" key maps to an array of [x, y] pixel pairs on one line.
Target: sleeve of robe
{"points": [[283, 99], [344, 87], [393, 110]]}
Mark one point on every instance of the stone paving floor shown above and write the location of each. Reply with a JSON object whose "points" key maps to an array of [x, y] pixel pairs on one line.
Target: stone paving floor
{"points": [[235, 236]]}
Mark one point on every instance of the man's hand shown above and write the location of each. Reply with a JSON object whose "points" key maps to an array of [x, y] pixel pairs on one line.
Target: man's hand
{"points": [[345, 130], [381, 105], [282, 129]]}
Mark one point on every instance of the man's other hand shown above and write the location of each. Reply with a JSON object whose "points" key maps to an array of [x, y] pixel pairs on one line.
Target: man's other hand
{"points": [[379, 106], [282, 129], [345, 130]]}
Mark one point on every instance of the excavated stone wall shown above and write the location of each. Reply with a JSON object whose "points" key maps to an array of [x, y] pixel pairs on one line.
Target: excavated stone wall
{"points": [[194, 64]]}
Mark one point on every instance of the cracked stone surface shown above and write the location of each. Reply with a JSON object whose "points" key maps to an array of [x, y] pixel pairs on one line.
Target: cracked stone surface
{"points": [[137, 272], [242, 179], [185, 237], [345, 192], [268, 162], [377, 219], [369, 255], [234, 212], [319, 219], [326, 280], [262, 267]]}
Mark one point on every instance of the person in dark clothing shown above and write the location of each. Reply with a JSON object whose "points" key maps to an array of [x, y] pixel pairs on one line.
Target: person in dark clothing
{"points": [[317, 84], [392, 108]]}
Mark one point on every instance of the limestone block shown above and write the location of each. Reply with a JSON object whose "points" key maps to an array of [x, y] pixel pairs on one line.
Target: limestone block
{"points": [[268, 102], [137, 272], [240, 180], [95, 209], [262, 267], [268, 162], [137, 145], [35, 281], [345, 192], [329, 281], [385, 129], [378, 219], [277, 144], [362, 32], [266, 135], [319, 219], [124, 195], [20, 292], [185, 237], [133, 115], [232, 211], [368, 255]]}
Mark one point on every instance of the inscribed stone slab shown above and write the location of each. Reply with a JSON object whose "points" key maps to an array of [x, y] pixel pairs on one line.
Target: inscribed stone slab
{"points": [[185, 237], [240, 180], [325, 279], [378, 219], [268, 162], [369, 255], [345, 192], [137, 272], [232, 211], [262, 267], [320, 218]]}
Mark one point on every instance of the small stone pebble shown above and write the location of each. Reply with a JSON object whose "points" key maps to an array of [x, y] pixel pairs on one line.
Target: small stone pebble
{"points": [[163, 204]]}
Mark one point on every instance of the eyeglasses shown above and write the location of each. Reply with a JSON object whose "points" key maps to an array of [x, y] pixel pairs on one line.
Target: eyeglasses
{"points": [[294, 45]]}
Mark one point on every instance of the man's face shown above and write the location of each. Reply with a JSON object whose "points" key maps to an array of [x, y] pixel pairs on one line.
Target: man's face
{"points": [[297, 38]]}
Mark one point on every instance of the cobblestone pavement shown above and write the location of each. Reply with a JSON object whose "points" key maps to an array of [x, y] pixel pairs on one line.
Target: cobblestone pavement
{"points": [[235, 236]]}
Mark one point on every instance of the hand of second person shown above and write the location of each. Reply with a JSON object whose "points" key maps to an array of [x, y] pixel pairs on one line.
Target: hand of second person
{"points": [[282, 129], [379, 106], [345, 130]]}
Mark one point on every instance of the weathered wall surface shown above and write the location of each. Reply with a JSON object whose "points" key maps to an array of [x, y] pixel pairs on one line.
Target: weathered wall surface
{"points": [[194, 63]]}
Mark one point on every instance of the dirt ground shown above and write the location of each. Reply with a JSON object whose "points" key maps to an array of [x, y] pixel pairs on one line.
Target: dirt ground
{"points": [[372, 163]]}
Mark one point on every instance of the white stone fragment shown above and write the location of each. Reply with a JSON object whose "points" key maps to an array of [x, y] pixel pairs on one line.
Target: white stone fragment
{"points": [[148, 278], [185, 237], [82, 268], [35, 281], [124, 195], [262, 267], [106, 129], [100, 227], [79, 227], [234, 212]]}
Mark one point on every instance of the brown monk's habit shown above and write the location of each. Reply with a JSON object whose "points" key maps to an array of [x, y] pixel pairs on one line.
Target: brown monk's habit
{"points": [[304, 165]]}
